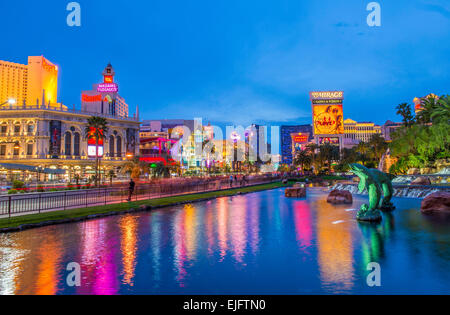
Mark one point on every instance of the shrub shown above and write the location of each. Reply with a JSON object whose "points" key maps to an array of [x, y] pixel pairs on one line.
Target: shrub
{"points": [[17, 184], [40, 188], [13, 192]]}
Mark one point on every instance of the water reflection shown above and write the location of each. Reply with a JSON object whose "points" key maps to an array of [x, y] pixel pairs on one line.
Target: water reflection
{"points": [[259, 243], [303, 224], [335, 247], [128, 227]]}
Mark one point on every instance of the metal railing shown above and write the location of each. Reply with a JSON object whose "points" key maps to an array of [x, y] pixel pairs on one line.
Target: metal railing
{"points": [[14, 205]]}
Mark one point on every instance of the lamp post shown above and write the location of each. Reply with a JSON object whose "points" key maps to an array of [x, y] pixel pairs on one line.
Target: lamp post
{"points": [[10, 101]]}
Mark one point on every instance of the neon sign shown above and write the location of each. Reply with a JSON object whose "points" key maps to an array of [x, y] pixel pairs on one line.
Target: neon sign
{"points": [[108, 88], [108, 79], [327, 95], [88, 98]]}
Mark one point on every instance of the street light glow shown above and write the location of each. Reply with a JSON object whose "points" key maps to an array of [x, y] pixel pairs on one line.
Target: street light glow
{"points": [[12, 101]]}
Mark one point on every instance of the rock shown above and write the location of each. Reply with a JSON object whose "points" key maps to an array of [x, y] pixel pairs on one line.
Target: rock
{"points": [[422, 180], [340, 197], [295, 192], [438, 202], [285, 181], [369, 216], [413, 171]]}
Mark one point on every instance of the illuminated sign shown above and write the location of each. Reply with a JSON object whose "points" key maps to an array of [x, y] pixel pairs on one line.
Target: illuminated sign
{"points": [[49, 67], [327, 95], [88, 98], [108, 88], [325, 102], [108, 79], [330, 140], [300, 138], [92, 149], [328, 119], [92, 139]]}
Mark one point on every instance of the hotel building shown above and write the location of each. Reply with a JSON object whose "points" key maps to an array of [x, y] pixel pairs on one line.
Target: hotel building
{"points": [[355, 132], [34, 83], [294, 139], [46, 138]]}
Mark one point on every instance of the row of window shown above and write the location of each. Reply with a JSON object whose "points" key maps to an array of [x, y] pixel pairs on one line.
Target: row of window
{"points": [[30, 147], [115, 145], [30, 128]]}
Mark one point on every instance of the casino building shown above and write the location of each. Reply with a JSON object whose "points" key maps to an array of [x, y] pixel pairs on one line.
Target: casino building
{"points": [[294, 139], [46, 139]]}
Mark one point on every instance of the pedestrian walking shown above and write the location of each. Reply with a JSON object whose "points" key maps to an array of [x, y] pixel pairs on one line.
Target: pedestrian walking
{"points": [[131, 189]]}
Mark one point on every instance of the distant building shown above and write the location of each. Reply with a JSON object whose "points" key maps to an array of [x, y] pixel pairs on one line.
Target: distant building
{"points": [[388, 128], [294, 138], [418, 102], [104, 98], [355, 132], [32, 84]]}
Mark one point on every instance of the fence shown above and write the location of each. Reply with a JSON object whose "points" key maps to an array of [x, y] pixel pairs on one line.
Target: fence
{"points": [[13, 205]]}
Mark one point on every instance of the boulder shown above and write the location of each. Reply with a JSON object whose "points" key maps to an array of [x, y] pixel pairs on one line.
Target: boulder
{"points": [[422, 180], [340, 197], [438, 202], [295, 192]]}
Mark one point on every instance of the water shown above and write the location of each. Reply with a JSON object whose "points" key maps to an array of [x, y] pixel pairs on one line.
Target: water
{"points": [[260, 243], [406, 192]]}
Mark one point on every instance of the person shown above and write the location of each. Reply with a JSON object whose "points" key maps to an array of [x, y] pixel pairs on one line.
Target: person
{"points": [[243, 180], [131, 189], [231, 181]]}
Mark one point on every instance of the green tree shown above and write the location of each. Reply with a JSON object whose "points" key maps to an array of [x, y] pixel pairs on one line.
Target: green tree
{"points": [[303, 159], [378, 146], [96, 129], [404, 110], [135, 167]]}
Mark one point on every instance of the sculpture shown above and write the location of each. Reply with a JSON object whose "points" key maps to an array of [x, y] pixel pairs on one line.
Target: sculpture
{"points": [[376, 183]]}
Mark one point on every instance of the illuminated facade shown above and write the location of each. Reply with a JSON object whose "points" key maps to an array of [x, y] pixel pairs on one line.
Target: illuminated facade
{"points": [[104, 98], [418, 101], [31, 84], [356, 132], [293, 139], [37, 134], [53, 138]]}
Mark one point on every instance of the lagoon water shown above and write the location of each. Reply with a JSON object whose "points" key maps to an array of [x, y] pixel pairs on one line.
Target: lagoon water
{"points": [[260, 243]]}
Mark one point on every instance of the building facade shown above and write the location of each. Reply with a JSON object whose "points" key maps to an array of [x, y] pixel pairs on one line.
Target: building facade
{"points": [[31, 84], [51, 138], [293, 139], [355, 132]]}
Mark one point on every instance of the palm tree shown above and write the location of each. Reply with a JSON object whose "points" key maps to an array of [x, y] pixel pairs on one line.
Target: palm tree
{"points": [[312, 148], [404, 110], [135, 167], [96, 129], [428, 107], [303, 159], [442, 112], [378, 145]]}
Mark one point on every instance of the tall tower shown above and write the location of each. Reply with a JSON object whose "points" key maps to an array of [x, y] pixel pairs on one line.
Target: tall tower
{"points": [[104, 98]]}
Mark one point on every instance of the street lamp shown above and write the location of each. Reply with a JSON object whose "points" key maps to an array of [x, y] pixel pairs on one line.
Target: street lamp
{"points": [[10, 101]]}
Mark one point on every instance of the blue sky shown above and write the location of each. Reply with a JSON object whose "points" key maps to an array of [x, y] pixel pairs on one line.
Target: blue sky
{"points": [[240, 61]]}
